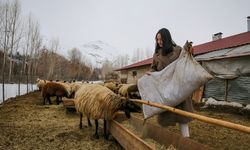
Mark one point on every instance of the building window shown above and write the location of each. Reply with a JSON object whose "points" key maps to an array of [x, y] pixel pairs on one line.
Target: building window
{"points": [[134, 73]]}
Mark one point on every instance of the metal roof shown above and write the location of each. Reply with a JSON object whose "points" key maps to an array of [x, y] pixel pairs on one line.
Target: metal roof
{"points": [[225, 53], [228, 42], [138, 64], [219, 48]]}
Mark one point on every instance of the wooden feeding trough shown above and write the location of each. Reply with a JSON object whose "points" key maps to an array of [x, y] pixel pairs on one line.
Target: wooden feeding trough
{"points": [[69, 105], [129, 140]]}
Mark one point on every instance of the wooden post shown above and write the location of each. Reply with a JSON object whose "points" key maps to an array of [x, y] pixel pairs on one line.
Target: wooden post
{"points": [[226, 89]]}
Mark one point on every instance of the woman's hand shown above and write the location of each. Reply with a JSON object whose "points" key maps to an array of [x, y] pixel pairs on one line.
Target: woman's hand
{"points": [[188, 47], [148, 73]]}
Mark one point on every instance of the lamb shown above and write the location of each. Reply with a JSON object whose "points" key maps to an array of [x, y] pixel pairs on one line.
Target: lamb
{"points": [[99, 102], [55, 89]]}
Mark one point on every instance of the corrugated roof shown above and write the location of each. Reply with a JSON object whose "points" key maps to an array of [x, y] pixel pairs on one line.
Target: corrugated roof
{"points": [[228, 42], [238, 51], [138, 64]]}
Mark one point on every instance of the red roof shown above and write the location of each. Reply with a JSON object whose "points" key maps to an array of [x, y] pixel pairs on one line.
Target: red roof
{"points": [[228, 42], [138, 64]]}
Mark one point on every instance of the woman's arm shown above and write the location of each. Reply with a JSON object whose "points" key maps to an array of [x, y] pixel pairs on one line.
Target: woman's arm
{"points": [[154, 63]]}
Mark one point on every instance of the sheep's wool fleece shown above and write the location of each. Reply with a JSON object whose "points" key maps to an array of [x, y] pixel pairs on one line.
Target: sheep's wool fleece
{"points": [[67, 87], [75, 86], [111, 86], [97, 102]]}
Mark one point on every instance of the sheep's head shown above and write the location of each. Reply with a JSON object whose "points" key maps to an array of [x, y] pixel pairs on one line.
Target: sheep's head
{"points": [[72, 95], [129, 106]]}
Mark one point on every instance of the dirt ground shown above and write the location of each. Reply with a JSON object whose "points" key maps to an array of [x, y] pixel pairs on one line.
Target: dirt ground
{"points": [[26, 124]]}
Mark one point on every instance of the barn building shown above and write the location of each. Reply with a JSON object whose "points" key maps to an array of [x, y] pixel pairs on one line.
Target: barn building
{"points": [[228, 59]]}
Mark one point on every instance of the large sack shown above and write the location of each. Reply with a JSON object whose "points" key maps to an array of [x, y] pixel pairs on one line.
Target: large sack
{"points": [[173, 84]]}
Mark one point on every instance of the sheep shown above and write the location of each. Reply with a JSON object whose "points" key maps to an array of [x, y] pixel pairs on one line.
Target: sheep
{"points": [[99, 102], [113, 86], [129, 91], [74, 87], [40, 83], [55, 89]]}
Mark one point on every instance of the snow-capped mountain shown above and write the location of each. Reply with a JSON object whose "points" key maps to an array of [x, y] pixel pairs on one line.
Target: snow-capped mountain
{"points": [[98, 52]]}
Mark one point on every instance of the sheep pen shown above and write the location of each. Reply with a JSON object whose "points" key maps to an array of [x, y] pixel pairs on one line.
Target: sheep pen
{"points": [[25, 124], [99, 102]]}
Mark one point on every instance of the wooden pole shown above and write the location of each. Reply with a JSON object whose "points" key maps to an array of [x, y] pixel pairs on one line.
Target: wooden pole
{"points": [[198, 117], [226, 89]]}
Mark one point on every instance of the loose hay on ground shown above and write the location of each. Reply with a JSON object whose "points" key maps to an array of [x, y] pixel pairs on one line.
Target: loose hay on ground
{"points": [[26, 124], [44, 127]]}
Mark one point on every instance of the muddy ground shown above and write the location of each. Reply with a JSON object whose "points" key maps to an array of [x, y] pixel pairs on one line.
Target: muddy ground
{"points": [[26, 124]]}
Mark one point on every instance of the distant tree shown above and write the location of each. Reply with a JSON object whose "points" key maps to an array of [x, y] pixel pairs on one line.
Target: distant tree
{"points": [[75, 57], [53, 48], [4, 37], [121, 61], [106, 69], [32, 43], [138, 55], [15, 32], [148, 53], [95, 74]]}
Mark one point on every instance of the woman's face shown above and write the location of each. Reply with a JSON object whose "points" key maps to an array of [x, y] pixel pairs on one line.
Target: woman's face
{"points": [[159, 40]]}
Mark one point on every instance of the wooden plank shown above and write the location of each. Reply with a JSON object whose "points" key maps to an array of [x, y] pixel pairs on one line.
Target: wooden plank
{"points": [[127, 139]]}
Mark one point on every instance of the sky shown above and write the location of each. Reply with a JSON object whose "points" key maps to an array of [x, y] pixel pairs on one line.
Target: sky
{"points": [[132, 24]]}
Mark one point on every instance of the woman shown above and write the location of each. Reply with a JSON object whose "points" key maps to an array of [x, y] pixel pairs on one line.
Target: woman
{"points": [[166, 51]]}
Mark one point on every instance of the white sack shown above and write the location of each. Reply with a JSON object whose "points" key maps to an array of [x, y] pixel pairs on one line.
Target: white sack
{"points": [[173, 84]]}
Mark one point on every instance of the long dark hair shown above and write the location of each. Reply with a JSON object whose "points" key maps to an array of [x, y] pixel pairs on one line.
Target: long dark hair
{"points": [[168, 43]]}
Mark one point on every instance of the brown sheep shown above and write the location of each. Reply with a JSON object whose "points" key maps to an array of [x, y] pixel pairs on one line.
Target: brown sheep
{"points": [[54, 89], [40, 83]]}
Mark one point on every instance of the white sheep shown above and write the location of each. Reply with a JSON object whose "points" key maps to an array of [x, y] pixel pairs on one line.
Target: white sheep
{"points": [[99, 102]]}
